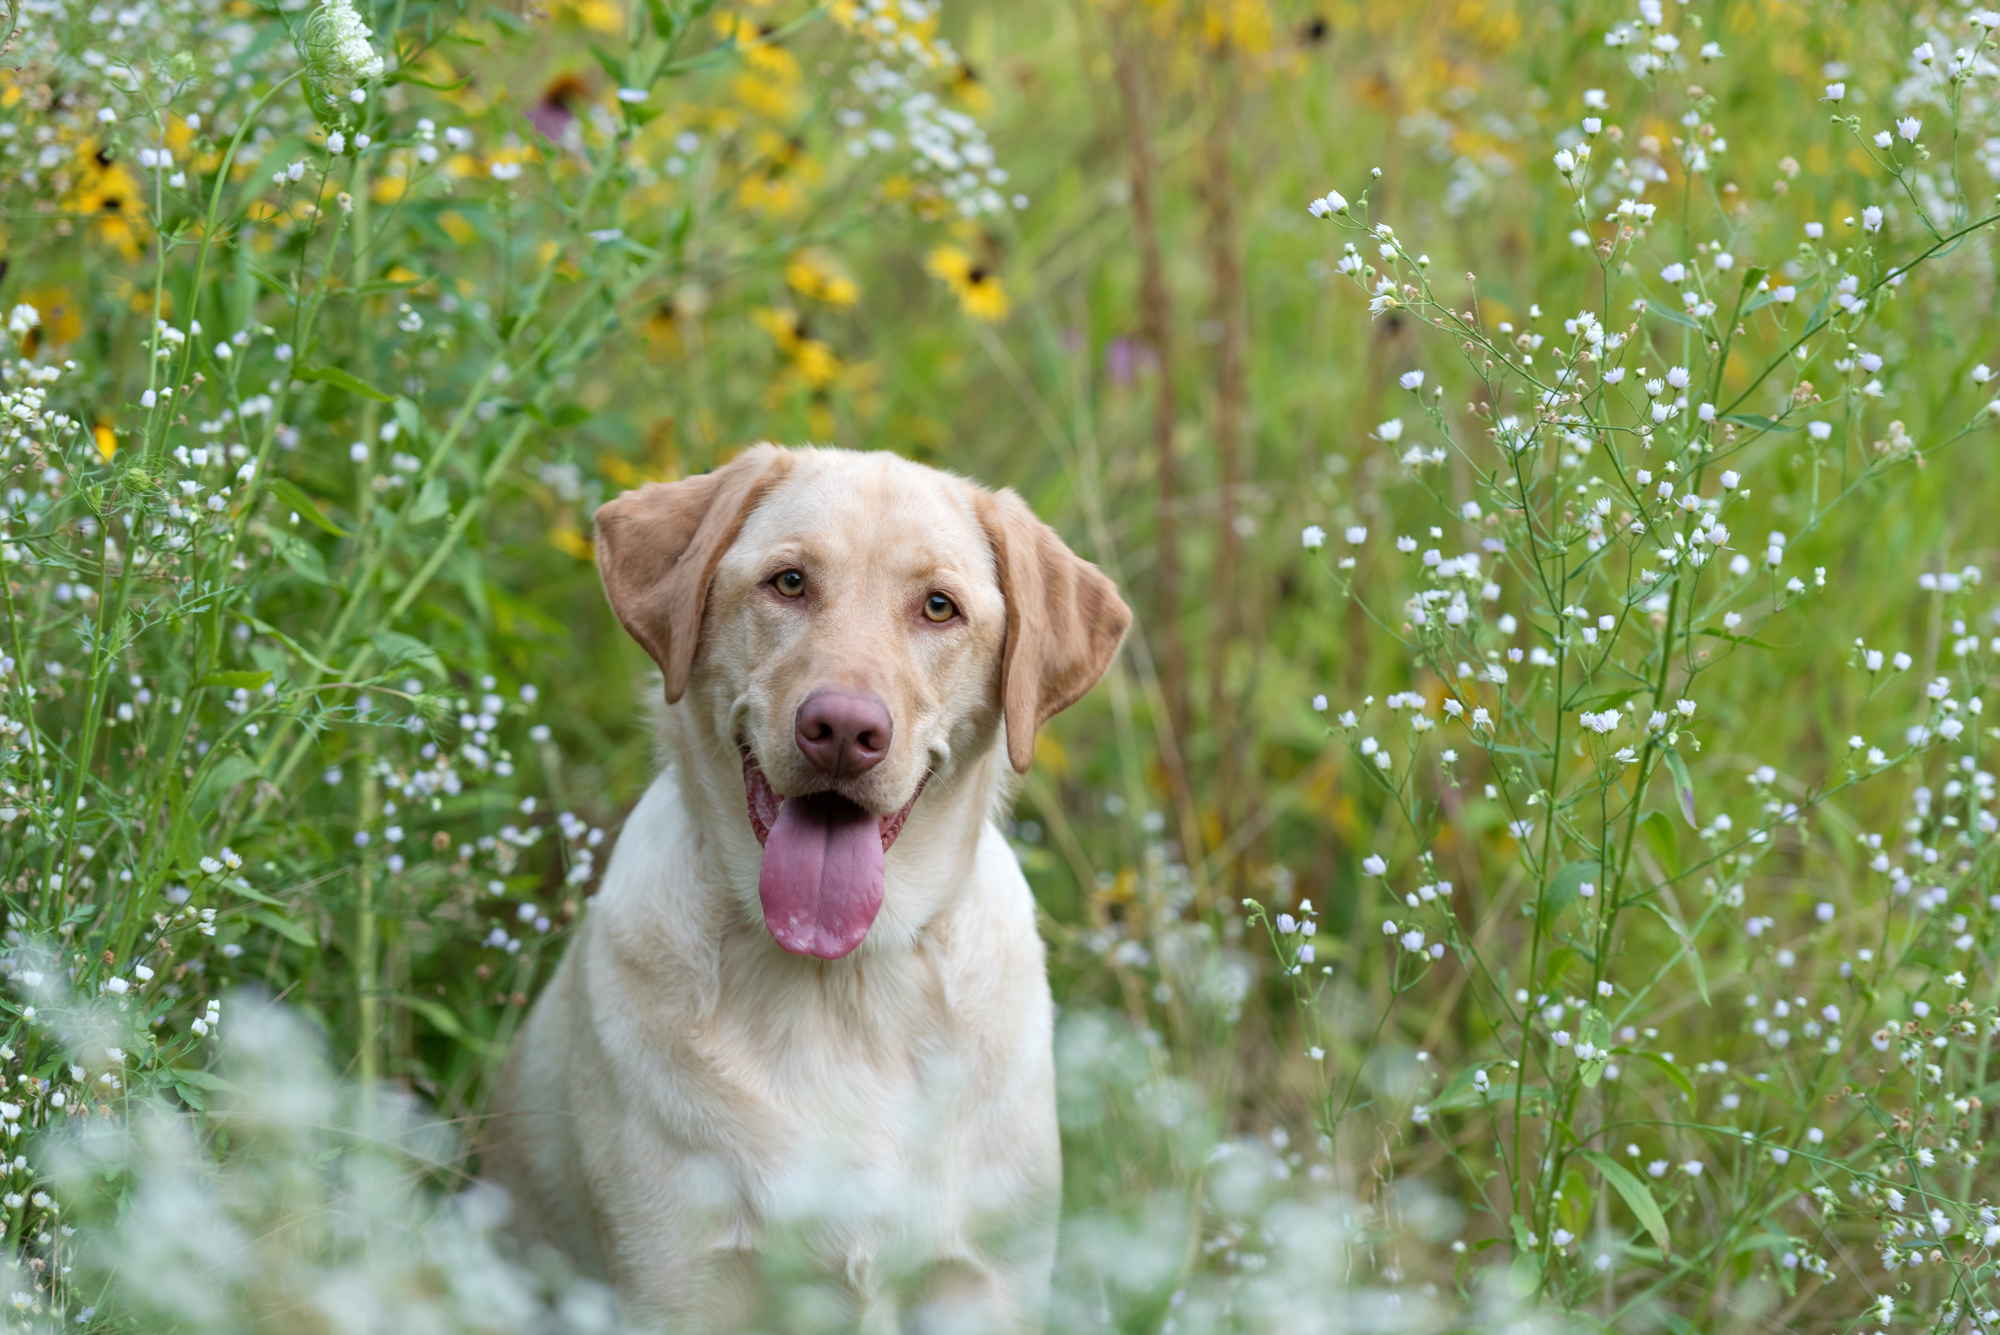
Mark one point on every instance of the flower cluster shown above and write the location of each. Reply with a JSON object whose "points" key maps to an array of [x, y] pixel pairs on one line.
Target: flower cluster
{"points": [[1571, 620]]}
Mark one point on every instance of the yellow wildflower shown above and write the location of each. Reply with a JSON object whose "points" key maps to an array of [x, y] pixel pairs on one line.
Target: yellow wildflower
{"points": [[1244, 26], [774, 195], [813, 360], [566, 538], [966, 85], [597, 15], [776, 185], [108, 193], [812, 274], [768, 99], [62, 321], [394, 181], [107, 441], [977, 288], [663, 330]]}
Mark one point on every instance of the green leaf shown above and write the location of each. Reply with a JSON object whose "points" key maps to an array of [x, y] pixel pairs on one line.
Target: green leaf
{"points": [[283, 926], [612, 65], [1595, 1029], [289, 493], [410, 418], [441, 1017], [1559, 961], [1659, 832], [666, 22], [1671, 1071], [339, 379], [1683, 785], [1753, 420], [1750, 640], [266, 628], [1754, 275], [446, 1022], [434, 500], [1564, 888], [403, 75], [1759, 1241], [1672, 316], [498, 16], [1687, 949], [1919, 958], [1458, 1093], [396, 648], [568, 415], [386, 285], [1638, 1198], [300, 555], [240, 886], [248, 681]]}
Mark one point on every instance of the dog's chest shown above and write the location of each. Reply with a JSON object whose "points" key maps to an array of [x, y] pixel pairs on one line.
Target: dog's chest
{"points": [[861, 1131]]}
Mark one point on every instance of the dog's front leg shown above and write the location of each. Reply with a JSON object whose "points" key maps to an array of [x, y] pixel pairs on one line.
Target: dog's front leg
{"points": [[968, 1298]]}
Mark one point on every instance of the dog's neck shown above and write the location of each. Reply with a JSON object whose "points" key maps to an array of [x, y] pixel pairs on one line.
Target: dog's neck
{"points": [[927, 869]]}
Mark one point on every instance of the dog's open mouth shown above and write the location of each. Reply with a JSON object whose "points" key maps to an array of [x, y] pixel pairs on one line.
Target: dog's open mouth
{"points": [[821, 881]]}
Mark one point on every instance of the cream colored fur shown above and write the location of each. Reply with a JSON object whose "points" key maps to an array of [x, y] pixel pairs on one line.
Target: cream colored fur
{"points": [[708, 1121]]}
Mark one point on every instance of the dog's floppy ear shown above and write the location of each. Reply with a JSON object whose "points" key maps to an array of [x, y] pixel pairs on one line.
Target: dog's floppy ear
{"points": [[657, 549], [1065, 622]]}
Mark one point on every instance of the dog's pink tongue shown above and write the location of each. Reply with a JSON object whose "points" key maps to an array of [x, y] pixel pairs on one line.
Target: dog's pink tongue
{"points": [[821, 882]]}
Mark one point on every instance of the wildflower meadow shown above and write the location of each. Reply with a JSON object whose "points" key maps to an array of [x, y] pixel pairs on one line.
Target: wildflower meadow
{"points": [[1532, 867]]}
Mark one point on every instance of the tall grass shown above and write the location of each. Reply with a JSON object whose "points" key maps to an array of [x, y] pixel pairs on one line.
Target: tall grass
{"points": [[1477, 912]]}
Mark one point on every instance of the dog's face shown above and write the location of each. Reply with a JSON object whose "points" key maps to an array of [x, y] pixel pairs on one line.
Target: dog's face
{"points": [[854, 625], [854, 630]]}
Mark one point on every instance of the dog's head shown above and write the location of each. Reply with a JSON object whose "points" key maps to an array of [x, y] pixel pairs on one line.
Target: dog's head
{"points": [[856, 626]]}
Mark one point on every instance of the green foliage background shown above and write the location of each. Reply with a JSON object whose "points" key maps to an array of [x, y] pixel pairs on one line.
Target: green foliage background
{"points": [[590, 291]]}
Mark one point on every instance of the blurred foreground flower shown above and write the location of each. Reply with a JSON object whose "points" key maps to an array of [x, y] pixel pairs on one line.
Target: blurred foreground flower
{"points": [[305, 1203]]}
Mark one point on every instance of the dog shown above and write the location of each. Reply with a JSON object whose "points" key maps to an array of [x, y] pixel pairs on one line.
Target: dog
{"points": [[796, 1067]]}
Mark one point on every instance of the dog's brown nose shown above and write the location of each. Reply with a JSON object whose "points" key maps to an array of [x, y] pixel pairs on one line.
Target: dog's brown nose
{"points": [[844, 732]]}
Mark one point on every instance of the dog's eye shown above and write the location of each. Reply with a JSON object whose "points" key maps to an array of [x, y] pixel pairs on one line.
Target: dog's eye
{"points": [[791, 583], [940, 608]]}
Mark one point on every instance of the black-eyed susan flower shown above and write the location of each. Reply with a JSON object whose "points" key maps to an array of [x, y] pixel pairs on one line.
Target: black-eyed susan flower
{"points": [[109, 194], [977, 287], [59, 322], [812, 360], [968, 88], [813, 274], [776, 183]]}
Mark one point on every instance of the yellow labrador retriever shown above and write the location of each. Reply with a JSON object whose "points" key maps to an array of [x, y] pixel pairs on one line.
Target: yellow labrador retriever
{"points": [[795, 1070]]}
